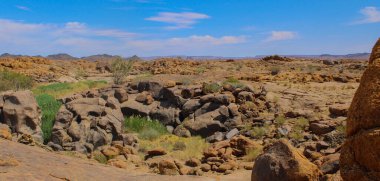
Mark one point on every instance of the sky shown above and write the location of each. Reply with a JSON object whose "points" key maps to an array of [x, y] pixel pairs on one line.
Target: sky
{"points": [[230, 28]]}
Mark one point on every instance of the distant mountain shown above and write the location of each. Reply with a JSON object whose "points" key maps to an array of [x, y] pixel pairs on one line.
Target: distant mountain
{"points": [[8, 55], [101, 57], [348, 56], [61, 56], [357, 56]]}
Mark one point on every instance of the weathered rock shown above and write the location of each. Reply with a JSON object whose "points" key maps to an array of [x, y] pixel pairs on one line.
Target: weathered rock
{"points": [[205, 167], [232, 133], [360, 156], [320, 128], [130, 140], [156, 152], [181, 131], [330, 164], [338, 110], [88, 123], [206, 124], [121, 95], [167, 116], [168, 167], [190, 107], [281, 160], [134, 108], [153, 87], [5, 132], [193, 162], [21, 113]]}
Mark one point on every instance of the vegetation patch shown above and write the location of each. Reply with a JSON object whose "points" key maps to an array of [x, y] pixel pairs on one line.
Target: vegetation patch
{"points": [[253, 153], [58, 90], [211, 88], [100, 157], [177, 147], [146, 129], [49, 106], [14, 81], [233, 82]]}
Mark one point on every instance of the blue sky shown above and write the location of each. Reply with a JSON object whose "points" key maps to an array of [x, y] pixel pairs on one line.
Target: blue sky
{"points": [[188, 27]]}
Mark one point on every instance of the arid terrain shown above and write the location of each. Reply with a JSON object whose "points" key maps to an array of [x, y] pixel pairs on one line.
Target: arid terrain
{"points": [[178, 119]]}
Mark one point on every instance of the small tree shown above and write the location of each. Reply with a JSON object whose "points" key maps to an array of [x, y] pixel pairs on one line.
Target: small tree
{"points": [[120, 69]]}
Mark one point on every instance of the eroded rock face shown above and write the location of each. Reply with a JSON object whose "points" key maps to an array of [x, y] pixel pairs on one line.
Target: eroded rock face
{"points": [[87, 123], [20, 111], [360, 155], [281, 161]]}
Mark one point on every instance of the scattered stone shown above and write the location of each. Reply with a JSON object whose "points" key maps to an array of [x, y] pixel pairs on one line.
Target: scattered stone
{"points": [[156, 152], [281, 160]]}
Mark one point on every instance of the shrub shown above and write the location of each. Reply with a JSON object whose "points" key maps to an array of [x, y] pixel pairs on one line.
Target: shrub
{"points": [[100, 158], [177, 147], [201, 70], [253, 153], [302, 123], [211, 88], [120, 69], [280, 120], [49, 106], [259, 132], [234, 82], [80, 73], [274, 70], [147, 129], [14, 81], [296, 133]]}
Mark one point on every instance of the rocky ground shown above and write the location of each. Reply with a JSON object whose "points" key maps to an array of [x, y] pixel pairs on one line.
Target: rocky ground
{"points": [[288, 116]]}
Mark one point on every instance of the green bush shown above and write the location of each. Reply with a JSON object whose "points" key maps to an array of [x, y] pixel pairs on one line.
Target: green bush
{"points": [[280, 121], [100, 158], [120, 68], [49, 106], [234, 83], [211, 88], [14, 81], [147, 129], [259, 132]]}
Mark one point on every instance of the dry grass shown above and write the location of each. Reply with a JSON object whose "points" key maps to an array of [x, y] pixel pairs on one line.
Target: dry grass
{"points": [[177, 147]]}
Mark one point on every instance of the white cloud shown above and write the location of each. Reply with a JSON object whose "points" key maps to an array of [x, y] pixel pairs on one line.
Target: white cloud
{"points": [[281, 35], [371, 15], [79, 39], [81, 29], [24, 8], [178, 20]]}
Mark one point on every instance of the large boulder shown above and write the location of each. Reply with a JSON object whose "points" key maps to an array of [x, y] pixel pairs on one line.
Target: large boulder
{"points": [[281, 161], [360, 154], [208, 123], [20, 111], [88, 123]]}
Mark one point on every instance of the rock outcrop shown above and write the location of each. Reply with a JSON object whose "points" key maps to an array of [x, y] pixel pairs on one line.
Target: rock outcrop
{"points": [[19, 110], [360, 155], [85, 124], [281, 161], [198, 112]]}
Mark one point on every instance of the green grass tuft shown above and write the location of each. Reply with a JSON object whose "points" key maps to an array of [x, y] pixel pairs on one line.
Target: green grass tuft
{"points": [[49, 106], [234, 83], [14, 81], [59, 90], [147, 129]]}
